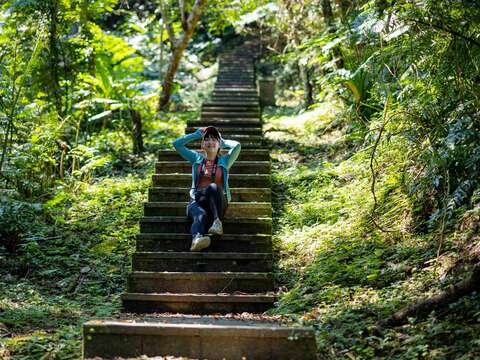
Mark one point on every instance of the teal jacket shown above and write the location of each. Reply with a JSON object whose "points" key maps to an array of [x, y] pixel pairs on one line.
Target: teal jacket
{"points": [[196, 158]]}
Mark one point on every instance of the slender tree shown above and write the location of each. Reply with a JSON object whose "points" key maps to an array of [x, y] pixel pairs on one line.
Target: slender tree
{"points": [[178, 46]]}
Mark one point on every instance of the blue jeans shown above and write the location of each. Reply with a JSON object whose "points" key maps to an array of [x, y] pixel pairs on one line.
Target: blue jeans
{"points": [[210, 203]]}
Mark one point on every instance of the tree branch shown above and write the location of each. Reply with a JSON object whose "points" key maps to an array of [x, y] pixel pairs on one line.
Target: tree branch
{"points": [[448, 296], [372, 169], [168, 25], [183, 14], [448, 30]]}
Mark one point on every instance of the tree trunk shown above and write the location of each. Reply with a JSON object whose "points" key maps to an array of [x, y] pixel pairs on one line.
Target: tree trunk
{"points": [[54, 57], [179, 48], [137, 132], [448, 296], [307, 85], [344, 8], [330, 24]]}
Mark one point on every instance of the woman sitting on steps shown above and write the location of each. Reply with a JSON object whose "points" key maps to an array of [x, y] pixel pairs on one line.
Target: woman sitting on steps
{"points": [[209, 194]]}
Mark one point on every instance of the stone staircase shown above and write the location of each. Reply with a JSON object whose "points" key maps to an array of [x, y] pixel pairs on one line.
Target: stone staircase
{"points": [[181, 299]]}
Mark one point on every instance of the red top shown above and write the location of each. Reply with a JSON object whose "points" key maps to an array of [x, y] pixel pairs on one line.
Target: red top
{"points": [[206, 179]]}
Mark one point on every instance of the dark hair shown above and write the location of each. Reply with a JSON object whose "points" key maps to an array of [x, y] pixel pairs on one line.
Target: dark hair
{"points": [[212, 132]]}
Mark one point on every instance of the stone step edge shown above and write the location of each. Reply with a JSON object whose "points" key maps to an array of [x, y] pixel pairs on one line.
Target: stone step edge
{"points": [[202, 255], [249, 151], [188, 236], [183, 204], [254, 219], [182, 189], [195, 275], [239, 176], [130, 327], [199, 297], [244, 162]]}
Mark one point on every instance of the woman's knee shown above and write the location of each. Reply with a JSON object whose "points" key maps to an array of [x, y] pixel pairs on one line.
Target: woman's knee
{"points": [[212, 188]]}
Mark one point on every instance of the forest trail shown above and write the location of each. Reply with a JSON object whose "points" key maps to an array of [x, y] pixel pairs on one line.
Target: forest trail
{"points": [[177, 301]]}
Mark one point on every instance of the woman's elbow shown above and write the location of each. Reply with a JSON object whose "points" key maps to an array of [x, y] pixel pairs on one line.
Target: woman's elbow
{"points": [[175, 144]]}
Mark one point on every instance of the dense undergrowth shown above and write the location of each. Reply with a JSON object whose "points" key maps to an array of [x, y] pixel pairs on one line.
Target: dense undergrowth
{"points": [[340, 273], [72, 264]]}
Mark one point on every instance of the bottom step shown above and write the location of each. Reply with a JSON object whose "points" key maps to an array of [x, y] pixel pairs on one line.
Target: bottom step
{"points": [[209, 338]]}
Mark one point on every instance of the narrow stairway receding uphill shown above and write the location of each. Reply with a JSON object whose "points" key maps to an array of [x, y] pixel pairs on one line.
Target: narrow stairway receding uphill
{"points": [[177, 301]]}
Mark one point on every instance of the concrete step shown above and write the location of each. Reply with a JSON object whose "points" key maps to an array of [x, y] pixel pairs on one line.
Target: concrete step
{"points": [[194, 337], [237, 119], [231, 108], [245, 155], [234, 64], [236, 98], [234, 102], [232, 98], [223, 123], [235, 209], [199, 282], [196, 145], [226, 243], [235, 180], [239, 167], [207, 114], [228, 83], [181, 224], [202, 262], [174, 194], [199, 304], [237, 77], [240, 90], [226, 132], [242, 138]]}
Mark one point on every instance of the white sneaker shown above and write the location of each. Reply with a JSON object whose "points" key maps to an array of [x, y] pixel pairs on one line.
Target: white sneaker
{"points": [[216, 228], [200, 242]]}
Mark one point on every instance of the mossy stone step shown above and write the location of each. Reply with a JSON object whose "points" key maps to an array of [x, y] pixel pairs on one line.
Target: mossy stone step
{"points": [[242, 138], [226, 243], [234, 83], [182, 194], [181, 224], [234, 104], [235, 180], [230, 114], [235, 90], [239, 167], [235, 209], [246, 89], [202, 262], [199, 282], [234, 98], [245, 155], [225, 131], [194, 337], [235, 78], [226, 103], [238, 119], [222, 123], [231, 108], [199, 304]]}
